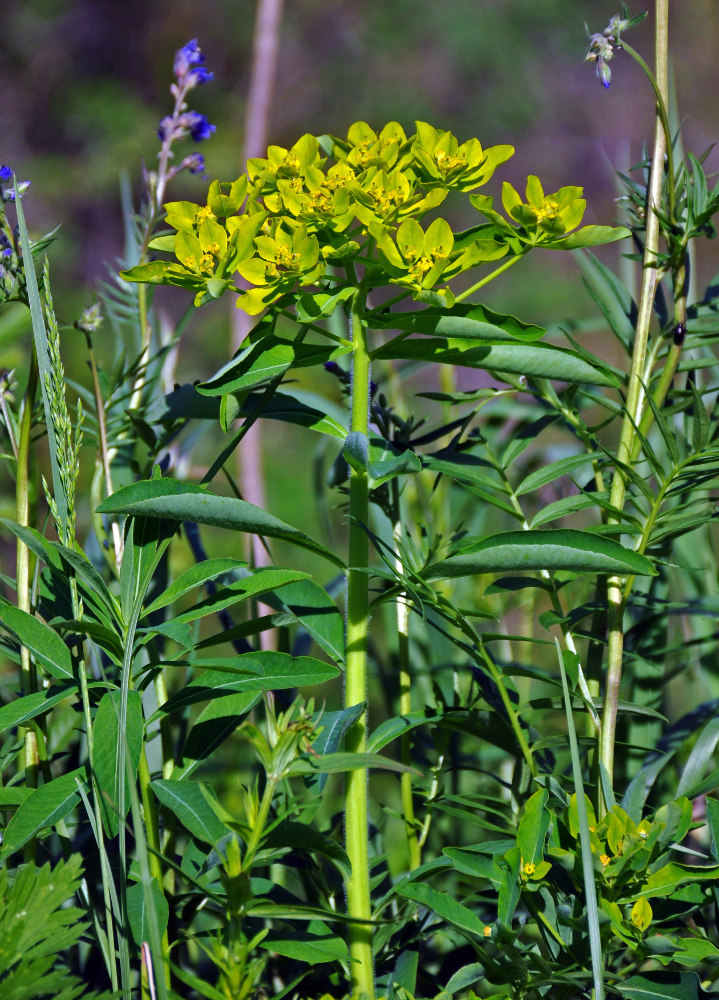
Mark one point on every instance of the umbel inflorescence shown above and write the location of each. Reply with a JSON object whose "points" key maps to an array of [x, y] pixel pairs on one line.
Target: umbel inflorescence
{"points": [[308, 215]]}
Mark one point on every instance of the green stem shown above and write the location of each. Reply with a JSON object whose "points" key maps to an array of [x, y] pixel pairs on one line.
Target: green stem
{"points": [[679, 276], [405, 703], [632, 413], [258, 828], [149, 807], [104, 450], [356, 805], [28, 676], [490, 277]]}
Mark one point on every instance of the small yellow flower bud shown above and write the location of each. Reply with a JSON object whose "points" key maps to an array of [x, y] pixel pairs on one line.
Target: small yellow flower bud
{"points": [[487, 931]]}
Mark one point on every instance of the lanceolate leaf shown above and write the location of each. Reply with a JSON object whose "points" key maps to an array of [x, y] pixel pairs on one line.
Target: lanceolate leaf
{"points": [[533, 360], [661, 986], [262, 671], [298, 836], [107, 758], [194, 577], [472, 322], [255, 584], [192, 807], [138, 915], [168, 498], [44, 643], [312, 950], [30, 706], [45, 807], [444, 906], [533, 828], [564, 549], [265, 360]]}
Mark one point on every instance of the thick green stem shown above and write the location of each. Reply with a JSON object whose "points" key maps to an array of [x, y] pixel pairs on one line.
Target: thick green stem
{"points": [[633, 408], [356, 805]]}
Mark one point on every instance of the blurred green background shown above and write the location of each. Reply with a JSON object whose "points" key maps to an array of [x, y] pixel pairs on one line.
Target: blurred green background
{"points": [[85, 82]]}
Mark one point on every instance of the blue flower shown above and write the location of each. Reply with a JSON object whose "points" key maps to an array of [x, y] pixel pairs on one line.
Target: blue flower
{"points": [[199, 75], [199, 126], [185, 58], [5, 173], [7, 254], [195, 163]]}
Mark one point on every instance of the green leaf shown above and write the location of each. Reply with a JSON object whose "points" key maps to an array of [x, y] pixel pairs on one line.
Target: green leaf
{"points": [[107, 757], [699, 758], [530, 360], [444, 906], [660, 986], [262, 581], [378, 459], [508, 895], [194, 577], [481, 866], [553, 471], [44, 643], [217, 721], [312, 950], [44, 808], [474, 322], [533, 827], [612, 297], [266, 360], [333, 726], [465, 977], [265, 670], [168, 498], [309, 308], [335, 763], [672, 876], [301, 837], [561, 549], [192, 806], [391, 729], [317, 614], [30, 706], [590, 236], [137, 911]]}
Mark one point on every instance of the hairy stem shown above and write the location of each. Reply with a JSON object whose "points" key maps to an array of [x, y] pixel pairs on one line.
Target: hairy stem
{"points": [[356, 795]]}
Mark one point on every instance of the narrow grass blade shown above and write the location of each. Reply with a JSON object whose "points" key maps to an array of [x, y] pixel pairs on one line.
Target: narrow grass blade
{"points": [[43, 356], [590, 889]]}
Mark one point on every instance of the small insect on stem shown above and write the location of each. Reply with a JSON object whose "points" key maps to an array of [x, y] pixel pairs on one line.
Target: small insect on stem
{"points": [[679, 333]]}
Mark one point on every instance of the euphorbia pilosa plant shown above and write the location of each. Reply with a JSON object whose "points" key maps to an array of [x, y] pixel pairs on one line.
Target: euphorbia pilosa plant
{"points": [[328, 224]]}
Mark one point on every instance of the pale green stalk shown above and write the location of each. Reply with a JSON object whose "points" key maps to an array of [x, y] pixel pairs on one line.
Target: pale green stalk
{"points": [[405, 705], [28, 676], [633, 407], [356, 805]]}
